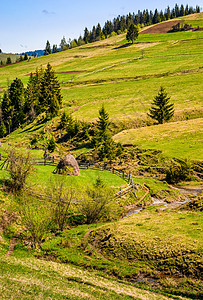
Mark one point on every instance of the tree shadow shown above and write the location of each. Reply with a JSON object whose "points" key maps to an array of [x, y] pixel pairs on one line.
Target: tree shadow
{"points": [[123, 46]]}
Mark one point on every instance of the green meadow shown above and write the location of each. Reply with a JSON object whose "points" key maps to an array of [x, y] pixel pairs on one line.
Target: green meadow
{"points": [[178, 139], [125, 79]]}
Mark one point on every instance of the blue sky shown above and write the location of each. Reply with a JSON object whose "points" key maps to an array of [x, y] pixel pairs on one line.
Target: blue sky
{"points": [[27, 25]]}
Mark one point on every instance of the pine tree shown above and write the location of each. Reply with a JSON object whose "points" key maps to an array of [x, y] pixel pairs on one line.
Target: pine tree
{"points": [[132, 33], [32, 94], [86, 37], [103, 123], [16, 96], [3, 130], [55, 49], [8, 61], [7, 111], [47, 50], [64, 45], [161, 110], [50, 98], [25, 57]]}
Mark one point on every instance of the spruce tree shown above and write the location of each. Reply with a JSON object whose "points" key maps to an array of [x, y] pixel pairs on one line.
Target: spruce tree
{"points": [[103, 124], [47, 50], [32, 93], [8, 61], [86, 37], [50, 98], [161, 110], [55, 49], [7, 111], [102, 140], [25, 57], [64, 45], [3, 130], [132, 33], [16, 96]]}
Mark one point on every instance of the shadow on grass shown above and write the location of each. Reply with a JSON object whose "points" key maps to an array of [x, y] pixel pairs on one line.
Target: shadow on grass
{"points": [[123, 46]]}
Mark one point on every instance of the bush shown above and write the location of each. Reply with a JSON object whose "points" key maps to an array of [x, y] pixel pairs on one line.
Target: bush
{"points": [[36, 219], [94, 205], [20, 167], [61, 197], [51, 144], [178, 172]]}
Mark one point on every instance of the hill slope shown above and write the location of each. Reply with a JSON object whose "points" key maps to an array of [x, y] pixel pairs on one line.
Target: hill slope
{"points": [[125, 78]]}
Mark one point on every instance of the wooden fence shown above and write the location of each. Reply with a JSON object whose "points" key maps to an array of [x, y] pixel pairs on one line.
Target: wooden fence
{"points": [[51, 161]]}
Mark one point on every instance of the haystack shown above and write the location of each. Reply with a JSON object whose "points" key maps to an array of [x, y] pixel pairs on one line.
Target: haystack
{"points": [[68, 165]]}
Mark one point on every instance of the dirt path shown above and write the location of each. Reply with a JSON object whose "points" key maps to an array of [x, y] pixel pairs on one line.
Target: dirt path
{"points": [[13, 242]]}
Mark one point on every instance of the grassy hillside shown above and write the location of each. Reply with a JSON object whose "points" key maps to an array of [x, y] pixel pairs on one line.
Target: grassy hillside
{"points": [[126, 77], [158, 252], [34, 279], [178, 139], [4, 56]]}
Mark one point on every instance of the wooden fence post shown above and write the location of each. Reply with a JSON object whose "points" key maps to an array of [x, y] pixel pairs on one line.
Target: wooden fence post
{"points": [[129, 178]]}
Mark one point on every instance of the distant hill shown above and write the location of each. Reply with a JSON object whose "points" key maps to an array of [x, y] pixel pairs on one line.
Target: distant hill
{"points": [[37, 53]]}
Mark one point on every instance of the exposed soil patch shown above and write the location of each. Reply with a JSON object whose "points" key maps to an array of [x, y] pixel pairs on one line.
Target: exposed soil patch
{"points": [[13, 242], [2, 87], [160, 28]]}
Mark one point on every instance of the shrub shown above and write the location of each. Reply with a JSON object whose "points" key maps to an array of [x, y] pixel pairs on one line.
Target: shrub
{"points": [[36, 219], [61, 197], [51, 144], [20, 167], [178, 172], [94, 205]]}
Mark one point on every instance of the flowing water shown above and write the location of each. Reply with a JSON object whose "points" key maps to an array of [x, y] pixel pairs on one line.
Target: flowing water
{"points": [[161, 202]]}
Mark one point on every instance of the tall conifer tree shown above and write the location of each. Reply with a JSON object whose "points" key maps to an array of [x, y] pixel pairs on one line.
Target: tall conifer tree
{"points": [[161, 110]]}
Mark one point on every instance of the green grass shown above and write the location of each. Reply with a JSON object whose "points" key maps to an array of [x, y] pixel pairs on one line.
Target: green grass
{"points": [[29, 278], [4, 56], [86, 178], [146, 245], [166, 59], [178, 139]]}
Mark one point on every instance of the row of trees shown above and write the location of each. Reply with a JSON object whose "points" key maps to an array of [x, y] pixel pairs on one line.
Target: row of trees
{"points": [[122, 24], [20, 104], [144, 18]]}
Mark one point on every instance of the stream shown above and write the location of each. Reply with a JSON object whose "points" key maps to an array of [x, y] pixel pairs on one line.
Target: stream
{"points": [[182, 190]]}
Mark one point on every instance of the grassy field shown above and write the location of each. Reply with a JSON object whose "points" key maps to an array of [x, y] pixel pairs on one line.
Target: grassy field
{"points": [[29, 278], [178, 139], [147, 245], [112, 74], [157, 250], [4, 56]]}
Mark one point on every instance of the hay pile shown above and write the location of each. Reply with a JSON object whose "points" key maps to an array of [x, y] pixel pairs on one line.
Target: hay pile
{"points": [[68, 165]]}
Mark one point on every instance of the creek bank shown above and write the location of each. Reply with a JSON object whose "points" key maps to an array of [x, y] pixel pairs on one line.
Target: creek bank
{"points": [[165, 205]]}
